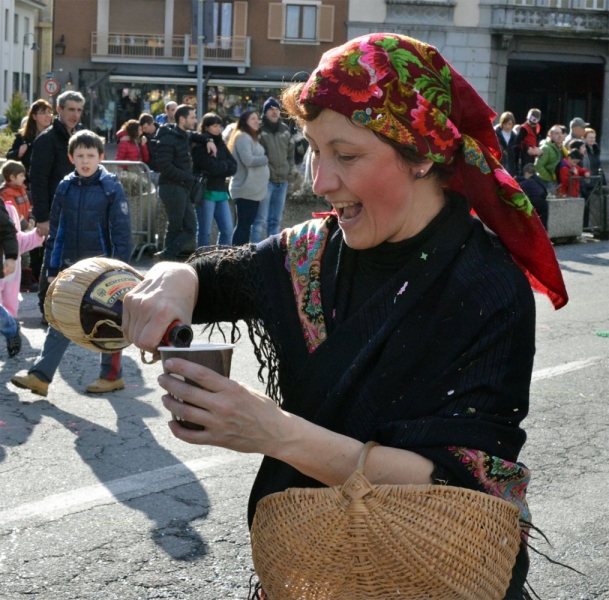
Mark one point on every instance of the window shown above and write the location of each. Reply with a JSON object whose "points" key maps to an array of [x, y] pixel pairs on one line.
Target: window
{"points": [[304, 22], [6, 21], [5, 86], [300, 22], [223, 24], [26, 26], [26, 85], [16, 29], [16, 88]]}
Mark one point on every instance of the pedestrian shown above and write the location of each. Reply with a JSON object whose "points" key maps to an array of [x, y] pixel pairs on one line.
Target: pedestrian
{"points": [[507, 141], [175, 182], [50, 164], [577, 130], [276, 139], [217, 168], [90, 217], [396, 318], [10, 283], [547, 162], [9, 253], [132, 144], [593, 151], [527, 139], [39, 117], [249, 186], [168, 117], [537, 192], [570, 173]]}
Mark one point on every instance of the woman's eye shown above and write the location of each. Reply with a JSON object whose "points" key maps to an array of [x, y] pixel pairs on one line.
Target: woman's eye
{"points": [[346, 158]]}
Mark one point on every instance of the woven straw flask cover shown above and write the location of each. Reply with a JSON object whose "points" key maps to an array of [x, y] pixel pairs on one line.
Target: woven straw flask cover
{"points": [[360, 541]]}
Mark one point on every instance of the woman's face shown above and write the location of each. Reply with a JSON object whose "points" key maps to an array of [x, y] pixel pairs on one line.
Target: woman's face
{"points": [[590, 139], [139, 131], [43, 119], [375, 194], [253, 121], [507, 126], [215, 129]]}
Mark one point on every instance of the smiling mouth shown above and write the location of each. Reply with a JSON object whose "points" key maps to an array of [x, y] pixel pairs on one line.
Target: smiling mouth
{"points": [[347, 210]]}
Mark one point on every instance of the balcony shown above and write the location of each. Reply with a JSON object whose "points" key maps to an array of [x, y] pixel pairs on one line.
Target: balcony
{"points": [[154, 49], [545, 20]]}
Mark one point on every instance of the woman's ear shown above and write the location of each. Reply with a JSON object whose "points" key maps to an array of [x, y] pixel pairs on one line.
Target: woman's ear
{"points": [[419, 171]]}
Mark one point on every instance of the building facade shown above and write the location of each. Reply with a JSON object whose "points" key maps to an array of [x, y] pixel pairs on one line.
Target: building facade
{"points": [[131, 56], [20, 49], [518, 54]]}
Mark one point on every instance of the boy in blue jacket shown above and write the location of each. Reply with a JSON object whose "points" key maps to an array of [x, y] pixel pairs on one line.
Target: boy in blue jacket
{"points": [[89, 217]]}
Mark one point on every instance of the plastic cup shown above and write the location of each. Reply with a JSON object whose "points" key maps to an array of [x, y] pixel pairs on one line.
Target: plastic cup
{"points": [[213, 356]]}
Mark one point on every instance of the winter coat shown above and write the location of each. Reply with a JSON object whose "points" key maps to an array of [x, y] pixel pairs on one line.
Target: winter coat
{"points": [[9, 246], [130, 150], [508, 150], [18, 197], [13, 153], [563, 175], [546, 163], [90, 217], [252, 177], [49, 165], [278, 145], [173, 156], [217, 168]]}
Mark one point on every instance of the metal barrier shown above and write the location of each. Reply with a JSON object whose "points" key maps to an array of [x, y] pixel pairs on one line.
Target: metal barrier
{"points": [[136, 179], [595, 208]]}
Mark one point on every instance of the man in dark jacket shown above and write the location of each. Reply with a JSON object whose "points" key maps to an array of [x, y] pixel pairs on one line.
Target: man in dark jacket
{"points": [[176, 179], [50, 164], [276, 139], [535, 189]]}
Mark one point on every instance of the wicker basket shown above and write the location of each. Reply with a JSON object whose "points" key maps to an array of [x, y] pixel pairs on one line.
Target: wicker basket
{"points": [[360, 541], [64, 299]]}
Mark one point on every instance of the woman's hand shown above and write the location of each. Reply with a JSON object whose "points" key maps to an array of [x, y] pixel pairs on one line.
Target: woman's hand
{"points": [[234, 415], [143, 140], [22, 150], [168, 293], [9, 266]]}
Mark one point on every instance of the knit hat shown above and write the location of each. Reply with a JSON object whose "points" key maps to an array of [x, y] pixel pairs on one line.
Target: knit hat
{"points": [[270, 103], [403, 89]]}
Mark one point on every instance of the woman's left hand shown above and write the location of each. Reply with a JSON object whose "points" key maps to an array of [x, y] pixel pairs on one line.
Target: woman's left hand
{"points": [[234, 416]]}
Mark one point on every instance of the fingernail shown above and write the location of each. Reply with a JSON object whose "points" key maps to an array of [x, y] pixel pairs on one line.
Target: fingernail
{"points": [[169, 363]]}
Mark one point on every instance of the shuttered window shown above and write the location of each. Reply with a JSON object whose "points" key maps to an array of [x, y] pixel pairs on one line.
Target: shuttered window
{"points": [[301, 23]]}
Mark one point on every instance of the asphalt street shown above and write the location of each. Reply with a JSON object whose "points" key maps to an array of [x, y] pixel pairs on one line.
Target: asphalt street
{"points": [[98, 500]]}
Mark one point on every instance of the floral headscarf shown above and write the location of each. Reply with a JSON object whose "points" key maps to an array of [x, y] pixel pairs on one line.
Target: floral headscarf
{"points": [[404, 90]]}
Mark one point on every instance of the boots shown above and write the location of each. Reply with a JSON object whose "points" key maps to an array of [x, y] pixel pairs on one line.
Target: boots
{"points": [[28, 281]]}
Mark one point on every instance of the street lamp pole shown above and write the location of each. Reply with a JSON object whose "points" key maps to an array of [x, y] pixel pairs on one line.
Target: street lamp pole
{"points": [[34, 48], [200, 58]]}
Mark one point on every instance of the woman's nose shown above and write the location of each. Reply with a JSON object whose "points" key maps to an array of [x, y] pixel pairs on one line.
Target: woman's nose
{"points": [[325, 179]]}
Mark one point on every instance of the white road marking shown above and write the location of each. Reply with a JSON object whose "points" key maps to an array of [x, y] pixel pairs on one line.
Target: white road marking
{"points": [[566, 368], [119, 490]]}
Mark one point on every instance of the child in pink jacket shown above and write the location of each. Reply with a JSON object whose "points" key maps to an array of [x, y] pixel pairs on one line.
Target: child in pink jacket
{"points": [[9, 286]]}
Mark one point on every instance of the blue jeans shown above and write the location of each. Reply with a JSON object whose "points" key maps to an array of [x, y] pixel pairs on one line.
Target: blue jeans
{"points": [[55, 345], [8, 325], [246, 214], [206, 213], [270, 211], [181, 219]]}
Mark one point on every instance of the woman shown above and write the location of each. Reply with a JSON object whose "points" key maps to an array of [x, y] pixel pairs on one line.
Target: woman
{"points": [[396, 318], [39, 118], [132, 144], [507, 142], [217, 168], [249, 184]]}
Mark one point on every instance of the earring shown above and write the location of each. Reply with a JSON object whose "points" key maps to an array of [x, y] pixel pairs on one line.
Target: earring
{"points": [[419, 175]]}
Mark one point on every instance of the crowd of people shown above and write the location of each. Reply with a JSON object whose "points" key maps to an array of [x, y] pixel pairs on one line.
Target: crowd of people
{"points": [[559, 165]]}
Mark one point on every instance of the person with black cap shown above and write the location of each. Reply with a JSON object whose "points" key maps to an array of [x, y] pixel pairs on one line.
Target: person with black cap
{"points": [[278, 145]]}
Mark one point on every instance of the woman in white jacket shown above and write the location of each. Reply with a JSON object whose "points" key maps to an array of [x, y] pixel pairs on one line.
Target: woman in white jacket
{"points": [[249, 184]]}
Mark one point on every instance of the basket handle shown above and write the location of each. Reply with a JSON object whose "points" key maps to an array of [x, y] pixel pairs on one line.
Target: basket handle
{"points": [[361, 464]]}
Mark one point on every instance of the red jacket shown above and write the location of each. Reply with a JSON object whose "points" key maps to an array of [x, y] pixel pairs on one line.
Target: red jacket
{"points": [[18, 197], [563, 176], [128, 150], [530, 139]]}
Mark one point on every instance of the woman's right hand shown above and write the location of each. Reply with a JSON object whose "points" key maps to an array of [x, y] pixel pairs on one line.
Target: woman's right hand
{"points": [[168, 293], [22, 150]]}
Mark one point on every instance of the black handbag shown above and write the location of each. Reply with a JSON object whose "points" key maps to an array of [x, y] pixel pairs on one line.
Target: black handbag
{"points": [[197, 191]]}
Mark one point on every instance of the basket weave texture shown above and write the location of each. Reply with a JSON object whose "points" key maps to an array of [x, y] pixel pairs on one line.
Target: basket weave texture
{"points": [[65, 295], [359, 541]]}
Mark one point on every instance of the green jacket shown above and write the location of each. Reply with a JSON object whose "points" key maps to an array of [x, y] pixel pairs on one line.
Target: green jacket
{"points": [[279, 147], [546, 162]]}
